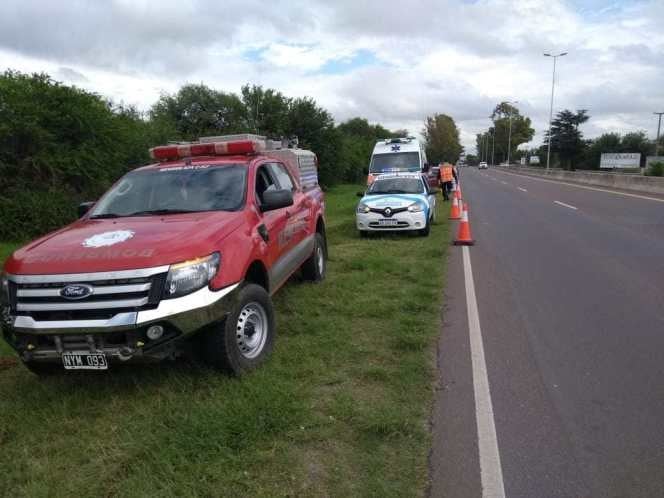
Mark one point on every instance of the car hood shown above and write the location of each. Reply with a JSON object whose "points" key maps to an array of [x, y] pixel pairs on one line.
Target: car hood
{"points": [[124, 243]]}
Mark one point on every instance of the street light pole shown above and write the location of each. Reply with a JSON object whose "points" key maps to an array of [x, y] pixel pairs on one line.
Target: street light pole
{"points": [[509, 136], [553, 82], [659, 125]]}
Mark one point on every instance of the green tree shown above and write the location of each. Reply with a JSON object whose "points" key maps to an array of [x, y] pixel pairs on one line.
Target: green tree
{"points": [[266, 111], [198, 110], [503, 116], [566, 138], [441, 136]]}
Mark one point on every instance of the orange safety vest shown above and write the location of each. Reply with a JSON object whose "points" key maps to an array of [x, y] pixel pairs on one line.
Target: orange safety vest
{"points": [[446, 174]]}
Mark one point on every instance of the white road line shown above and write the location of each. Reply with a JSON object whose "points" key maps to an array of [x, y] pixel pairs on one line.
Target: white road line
{"points": [[565, 205], [503, 182], [491, 472], [522, 189], [625, 194]]}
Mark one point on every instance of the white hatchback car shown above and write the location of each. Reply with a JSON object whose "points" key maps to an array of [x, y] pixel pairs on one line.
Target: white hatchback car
{"points": [[399, 201], [483, 165]]}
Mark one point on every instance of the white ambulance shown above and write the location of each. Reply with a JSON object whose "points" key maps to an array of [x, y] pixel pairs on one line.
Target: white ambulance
{"points": [[394, 155]]}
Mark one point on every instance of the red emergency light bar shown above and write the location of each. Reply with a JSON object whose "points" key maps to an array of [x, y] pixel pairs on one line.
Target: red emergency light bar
{"points": [[171, 152]]}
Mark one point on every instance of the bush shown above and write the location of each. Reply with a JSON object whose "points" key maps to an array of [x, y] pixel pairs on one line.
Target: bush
{"points": [[656, 169]]}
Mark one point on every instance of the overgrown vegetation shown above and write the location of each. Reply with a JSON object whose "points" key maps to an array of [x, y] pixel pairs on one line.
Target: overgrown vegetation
{"points": [[340, 410], [60, 145], [656, 169]]}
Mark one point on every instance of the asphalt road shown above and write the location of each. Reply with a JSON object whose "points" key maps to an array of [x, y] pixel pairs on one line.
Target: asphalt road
{"points": [[569, 287]]}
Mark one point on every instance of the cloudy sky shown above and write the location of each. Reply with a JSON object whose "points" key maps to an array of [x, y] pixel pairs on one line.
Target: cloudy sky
{"points": [[391, 62]]}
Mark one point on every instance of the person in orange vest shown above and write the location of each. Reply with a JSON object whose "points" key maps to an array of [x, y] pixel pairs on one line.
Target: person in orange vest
{"points": [[447, 176]]}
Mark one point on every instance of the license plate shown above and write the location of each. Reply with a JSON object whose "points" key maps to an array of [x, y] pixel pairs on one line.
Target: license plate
{"points": [[84, 361], [388, 222]]}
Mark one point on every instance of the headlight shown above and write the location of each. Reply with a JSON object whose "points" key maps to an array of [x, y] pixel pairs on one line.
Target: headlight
{"points": [[362, 208], [415, 207], [189, 276]]}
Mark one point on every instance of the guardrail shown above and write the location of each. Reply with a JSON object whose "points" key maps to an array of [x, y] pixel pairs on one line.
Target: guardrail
{"points": [[623, 181]]}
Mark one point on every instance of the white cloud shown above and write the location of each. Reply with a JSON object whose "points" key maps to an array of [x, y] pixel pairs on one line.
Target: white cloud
{"points": [[429, 56]]}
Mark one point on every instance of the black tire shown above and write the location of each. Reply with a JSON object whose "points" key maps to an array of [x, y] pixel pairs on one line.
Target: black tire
{"points": [[43, 369], [314, 268], [425, 231], [227, 345]]}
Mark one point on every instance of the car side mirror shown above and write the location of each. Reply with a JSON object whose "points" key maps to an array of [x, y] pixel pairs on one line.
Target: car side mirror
{"points": [[365, 171], [426, 168], [84, 207], [276, 199], [360, 194]]}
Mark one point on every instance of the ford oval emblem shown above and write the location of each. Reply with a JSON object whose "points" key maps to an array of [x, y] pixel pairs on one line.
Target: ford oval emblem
{"points": [[76, 291]]}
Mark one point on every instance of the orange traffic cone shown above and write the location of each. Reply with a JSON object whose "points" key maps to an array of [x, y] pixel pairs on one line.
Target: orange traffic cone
{"points": [[457, 193], [464, 238], [455, 213]]}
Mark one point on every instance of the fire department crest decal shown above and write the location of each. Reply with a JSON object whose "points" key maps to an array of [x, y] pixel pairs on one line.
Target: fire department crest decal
{"points": [[108, 238]]}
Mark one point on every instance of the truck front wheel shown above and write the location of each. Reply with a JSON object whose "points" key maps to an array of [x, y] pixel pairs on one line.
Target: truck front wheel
{"points": [[246, 338]]}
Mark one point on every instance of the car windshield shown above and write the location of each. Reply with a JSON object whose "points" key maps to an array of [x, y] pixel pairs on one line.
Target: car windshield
{"points": [[398, 161], [396, 186], [175, 190]]}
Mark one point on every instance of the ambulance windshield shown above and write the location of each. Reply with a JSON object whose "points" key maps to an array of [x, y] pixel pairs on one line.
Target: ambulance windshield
{"points": [[396, 186], [396, 161]]}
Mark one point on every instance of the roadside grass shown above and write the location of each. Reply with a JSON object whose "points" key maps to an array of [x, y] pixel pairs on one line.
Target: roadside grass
{"points": [[340, 410]]}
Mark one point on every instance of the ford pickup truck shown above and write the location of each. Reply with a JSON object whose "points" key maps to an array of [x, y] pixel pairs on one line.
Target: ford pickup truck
{"points": [[188, 250]]}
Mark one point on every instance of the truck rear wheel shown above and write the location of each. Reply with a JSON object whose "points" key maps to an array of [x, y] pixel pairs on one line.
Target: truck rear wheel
{"points": [[246, 338], [314, 268]]}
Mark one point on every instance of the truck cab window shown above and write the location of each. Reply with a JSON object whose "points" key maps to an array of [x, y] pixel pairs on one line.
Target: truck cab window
{"points": [[264, 182], [281, 175]]}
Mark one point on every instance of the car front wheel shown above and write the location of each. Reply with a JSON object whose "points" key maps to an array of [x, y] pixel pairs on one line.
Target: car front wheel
{"points": [[246, 337]]}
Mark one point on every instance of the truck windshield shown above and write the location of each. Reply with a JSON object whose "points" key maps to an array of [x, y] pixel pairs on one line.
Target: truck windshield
{"points": [[396, 186], [175, 190], [396, 161]]}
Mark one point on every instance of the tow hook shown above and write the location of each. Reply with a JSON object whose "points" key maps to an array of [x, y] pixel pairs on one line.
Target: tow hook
{"points": [[125, 353]]}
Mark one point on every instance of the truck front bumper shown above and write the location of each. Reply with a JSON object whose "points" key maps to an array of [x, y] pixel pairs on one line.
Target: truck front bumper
{"points": [[122, 337]]}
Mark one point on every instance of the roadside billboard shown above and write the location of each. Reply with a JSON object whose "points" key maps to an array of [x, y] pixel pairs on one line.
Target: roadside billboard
{"points": [[627, 160]]}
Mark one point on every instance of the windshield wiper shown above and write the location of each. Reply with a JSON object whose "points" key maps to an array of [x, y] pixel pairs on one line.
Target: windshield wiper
{"points": [[106, 215], [162, 211]]}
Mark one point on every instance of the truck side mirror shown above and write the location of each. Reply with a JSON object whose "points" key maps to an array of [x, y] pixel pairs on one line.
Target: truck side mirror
{"points": [[83, 208], [276, 199], [365, 171]]}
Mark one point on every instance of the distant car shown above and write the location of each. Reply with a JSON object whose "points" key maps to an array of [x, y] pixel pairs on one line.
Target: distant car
{"points": [[484, 165], [399, 201]]}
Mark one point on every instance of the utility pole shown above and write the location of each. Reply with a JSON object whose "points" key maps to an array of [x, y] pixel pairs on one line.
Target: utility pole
{"points": [[486, 147], [659, 125], [553, 82]]}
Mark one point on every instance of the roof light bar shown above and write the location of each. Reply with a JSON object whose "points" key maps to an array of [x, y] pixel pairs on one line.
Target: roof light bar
{"points": [[239, 147]]}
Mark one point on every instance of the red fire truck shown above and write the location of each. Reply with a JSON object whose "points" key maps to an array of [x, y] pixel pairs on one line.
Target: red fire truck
{"points": [[185, 251]]}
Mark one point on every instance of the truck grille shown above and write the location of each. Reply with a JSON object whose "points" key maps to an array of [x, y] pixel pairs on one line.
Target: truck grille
{"points": [[40, 297]]}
